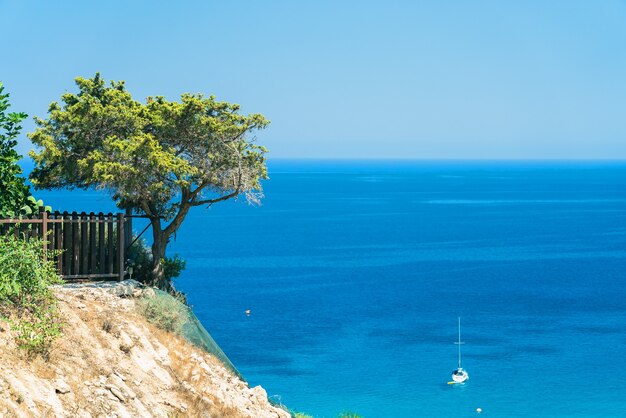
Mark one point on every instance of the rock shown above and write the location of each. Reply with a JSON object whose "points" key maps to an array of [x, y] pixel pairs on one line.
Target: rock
{"points": [[259, 393], [189, 388], [176, 405], [116, 392], [61, 387], [121, 376], [195, 376], [130, 393], [124, 288]]}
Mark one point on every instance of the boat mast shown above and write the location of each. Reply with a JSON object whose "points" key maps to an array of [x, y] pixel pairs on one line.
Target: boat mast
{"points": [[459, 343]]}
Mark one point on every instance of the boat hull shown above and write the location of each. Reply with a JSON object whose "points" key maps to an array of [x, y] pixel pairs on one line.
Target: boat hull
{"points": [[459, 376]]}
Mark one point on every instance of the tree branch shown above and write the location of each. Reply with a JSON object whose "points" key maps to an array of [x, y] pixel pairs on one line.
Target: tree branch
{"points": [[201, 186], [183, 208], [219, 199]]}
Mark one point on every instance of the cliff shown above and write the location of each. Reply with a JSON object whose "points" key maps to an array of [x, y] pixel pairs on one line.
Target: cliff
{"points": [[111, 362]]}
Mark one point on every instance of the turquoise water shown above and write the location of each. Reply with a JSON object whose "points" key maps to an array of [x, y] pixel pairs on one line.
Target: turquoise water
{"points": [[356, 272]]}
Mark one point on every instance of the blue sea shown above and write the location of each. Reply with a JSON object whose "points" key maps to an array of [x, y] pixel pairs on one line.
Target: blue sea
{"points": [[356, 272]]}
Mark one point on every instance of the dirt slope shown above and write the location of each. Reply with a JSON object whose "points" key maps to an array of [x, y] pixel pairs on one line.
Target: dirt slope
{"points": [[111, 362]]}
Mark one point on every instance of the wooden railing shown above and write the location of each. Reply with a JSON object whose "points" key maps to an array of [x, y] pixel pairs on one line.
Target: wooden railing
{"points": [[91, 246]]}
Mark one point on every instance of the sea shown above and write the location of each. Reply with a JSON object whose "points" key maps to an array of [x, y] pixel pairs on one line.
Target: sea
{"points": [[356, 272]]}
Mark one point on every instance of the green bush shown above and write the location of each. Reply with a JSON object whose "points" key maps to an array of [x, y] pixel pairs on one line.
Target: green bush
{"points": [[166, 312], [140, 259], [26, 300], [15, 199]]}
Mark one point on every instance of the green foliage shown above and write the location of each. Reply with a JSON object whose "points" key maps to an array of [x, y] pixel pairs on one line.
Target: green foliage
{"points": [[302, 415], [23, 273], [173, 266], [25, 296], [166, 312], [39, 328], [148, 155], [158, 158], [15, 199], [34, 206], [139, 258]]}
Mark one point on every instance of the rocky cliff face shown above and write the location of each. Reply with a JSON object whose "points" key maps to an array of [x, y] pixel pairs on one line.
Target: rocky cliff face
{"points": [[110, 362]]}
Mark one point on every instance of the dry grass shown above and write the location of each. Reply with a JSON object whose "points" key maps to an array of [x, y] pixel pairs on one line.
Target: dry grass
{"points": [[42, 368], [198, 405]]}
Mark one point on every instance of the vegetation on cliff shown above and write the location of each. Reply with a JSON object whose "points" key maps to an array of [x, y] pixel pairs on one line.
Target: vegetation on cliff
{"points": [[26, 301]]}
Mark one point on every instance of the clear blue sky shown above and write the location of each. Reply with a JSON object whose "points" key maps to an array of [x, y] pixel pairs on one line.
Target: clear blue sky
{"points": [[342, 79]]}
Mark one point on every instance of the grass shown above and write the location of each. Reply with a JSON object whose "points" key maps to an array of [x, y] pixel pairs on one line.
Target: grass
{"points": [[165, 312], [198, 404]]}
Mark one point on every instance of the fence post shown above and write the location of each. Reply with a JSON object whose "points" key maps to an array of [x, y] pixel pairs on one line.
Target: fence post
{"points": [[75, 244], [84, 243], [128, 228], [67, 244], [121, 246], [44, 233], [102, 265], [58, 239], [92, 243], [110, 244]]}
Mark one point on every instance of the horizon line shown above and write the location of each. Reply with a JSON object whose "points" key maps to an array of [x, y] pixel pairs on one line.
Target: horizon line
{"points": [[481, 159], [26, 161]]}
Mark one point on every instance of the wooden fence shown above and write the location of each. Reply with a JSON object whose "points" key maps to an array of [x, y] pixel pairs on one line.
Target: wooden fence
{"points": [[92, 246]]}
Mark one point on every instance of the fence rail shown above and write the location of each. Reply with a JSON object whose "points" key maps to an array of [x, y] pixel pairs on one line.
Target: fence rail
{"points": [[92, 245]]}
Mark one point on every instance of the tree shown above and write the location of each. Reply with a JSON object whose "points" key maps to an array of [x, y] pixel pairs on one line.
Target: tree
{"points": [[15, 199], [158, 159]]}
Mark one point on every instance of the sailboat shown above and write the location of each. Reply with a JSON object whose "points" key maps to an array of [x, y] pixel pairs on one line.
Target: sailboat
{"points": [[459, 375]]}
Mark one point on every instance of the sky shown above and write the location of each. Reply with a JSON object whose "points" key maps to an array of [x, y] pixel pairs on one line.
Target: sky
{"points": [[349, 79]]}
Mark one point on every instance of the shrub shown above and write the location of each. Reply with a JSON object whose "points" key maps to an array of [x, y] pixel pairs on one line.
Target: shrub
{"points": [[15, 199], [140, 259], [38, 329], [23, 273], [166, 312], [349, 415], [26, 300], [107, 325]]}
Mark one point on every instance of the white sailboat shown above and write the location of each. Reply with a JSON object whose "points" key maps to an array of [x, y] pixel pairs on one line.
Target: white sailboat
{"points": [[459, 375]]}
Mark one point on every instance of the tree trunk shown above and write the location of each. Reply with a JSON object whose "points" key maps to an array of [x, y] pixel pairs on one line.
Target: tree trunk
{"points": [[159, 246], [158, 276], [161, 238]]}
